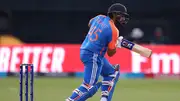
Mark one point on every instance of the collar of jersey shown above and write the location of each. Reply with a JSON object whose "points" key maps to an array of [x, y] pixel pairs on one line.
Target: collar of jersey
{"points": [[110, 19]]}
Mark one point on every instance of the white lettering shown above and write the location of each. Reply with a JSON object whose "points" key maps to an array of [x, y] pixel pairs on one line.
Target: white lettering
{"points": [[166, 60], [26, 54], [36, 56], [136, 62], [4, 59], [15, 60], [57, 60], [45, 59]]}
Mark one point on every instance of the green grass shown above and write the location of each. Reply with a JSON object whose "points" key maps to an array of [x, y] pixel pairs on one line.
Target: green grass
{"points": [[57, 89]]}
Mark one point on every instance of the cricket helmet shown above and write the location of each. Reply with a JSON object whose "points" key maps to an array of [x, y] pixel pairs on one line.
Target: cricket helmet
{"points": [[120, 11]]}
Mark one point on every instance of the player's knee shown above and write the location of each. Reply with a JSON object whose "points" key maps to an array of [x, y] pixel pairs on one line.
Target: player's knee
{"points": [[90, 91], [108, 86], [86, 86], [116, 67], [109, 81], [116, 72]]}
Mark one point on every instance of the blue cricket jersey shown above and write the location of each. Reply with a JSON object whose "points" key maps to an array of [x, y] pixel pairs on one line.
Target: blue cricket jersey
{"points": [[102, 34]]}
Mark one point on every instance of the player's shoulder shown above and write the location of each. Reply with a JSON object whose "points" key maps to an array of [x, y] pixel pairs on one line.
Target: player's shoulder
{"points": [[94, 19], [113, 27], [99, 16]]}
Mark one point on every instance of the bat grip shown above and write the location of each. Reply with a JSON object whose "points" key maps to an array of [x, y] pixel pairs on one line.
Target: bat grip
{"points": [[127, 44]]}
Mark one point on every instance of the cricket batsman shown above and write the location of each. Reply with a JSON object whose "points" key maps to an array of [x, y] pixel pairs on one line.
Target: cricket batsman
{"points": [[103, 37]]}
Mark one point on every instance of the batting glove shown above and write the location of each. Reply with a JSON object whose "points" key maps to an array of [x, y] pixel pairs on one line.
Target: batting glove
{"points": [[118, 44]]}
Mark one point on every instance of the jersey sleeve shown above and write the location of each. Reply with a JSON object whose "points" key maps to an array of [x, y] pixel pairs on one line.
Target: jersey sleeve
{"points": [[113, 36], [90, 21]]}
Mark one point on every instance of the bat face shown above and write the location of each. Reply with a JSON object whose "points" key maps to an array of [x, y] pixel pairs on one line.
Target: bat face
{"points": [[142, 50]]}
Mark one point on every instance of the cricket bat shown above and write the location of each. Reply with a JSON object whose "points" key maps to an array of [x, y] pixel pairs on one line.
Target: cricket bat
{"points": [[136, 48]]}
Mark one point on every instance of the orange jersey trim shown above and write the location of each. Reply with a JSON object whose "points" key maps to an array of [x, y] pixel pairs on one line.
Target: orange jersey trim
{"points": [[115, 35]]}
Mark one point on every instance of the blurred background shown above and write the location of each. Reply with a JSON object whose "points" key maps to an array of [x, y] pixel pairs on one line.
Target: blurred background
{"points": [[48, 34]]}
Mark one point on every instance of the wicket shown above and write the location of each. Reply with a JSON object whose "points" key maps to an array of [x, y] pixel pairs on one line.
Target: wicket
{"points": [[26, 82]]}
